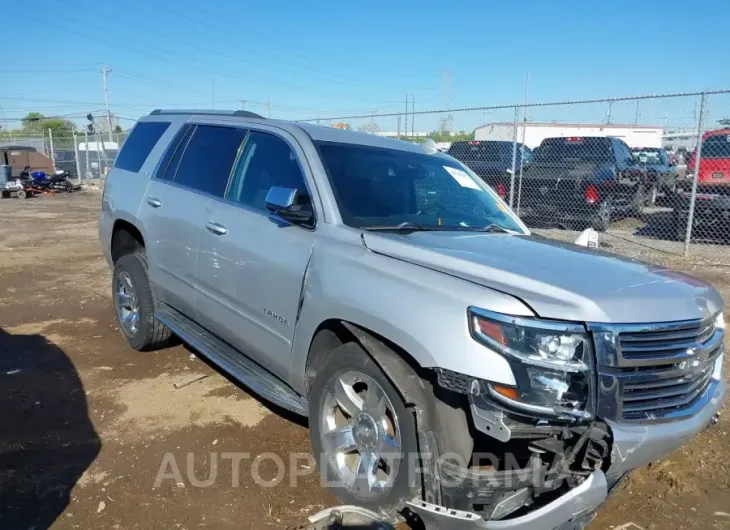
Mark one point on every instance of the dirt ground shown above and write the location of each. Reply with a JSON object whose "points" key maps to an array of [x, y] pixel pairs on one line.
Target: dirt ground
{"points": [[96, 435]]}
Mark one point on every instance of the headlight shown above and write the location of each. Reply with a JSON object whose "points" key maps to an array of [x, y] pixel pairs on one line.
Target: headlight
{"points": [[552, 362]]}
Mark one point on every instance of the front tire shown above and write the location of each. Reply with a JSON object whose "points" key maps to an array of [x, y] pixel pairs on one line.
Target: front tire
{"points": [[364, 438], [134, 304]]}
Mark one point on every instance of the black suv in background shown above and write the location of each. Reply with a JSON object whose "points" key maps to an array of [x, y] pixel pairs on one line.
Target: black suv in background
{"points": [[661, 171], [491, 160], [582, 180], [65, 160]]}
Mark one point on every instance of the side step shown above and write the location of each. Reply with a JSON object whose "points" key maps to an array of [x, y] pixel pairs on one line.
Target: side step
{"points": [[240, 367]]}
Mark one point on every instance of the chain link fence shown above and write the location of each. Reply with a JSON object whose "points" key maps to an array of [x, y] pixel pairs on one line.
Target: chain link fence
{"points": [[85, 156], [651, 173]]}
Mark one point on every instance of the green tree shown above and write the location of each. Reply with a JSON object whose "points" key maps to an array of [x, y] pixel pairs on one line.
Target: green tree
{"points": [[37, 123], [118, 128], [725, 122]]}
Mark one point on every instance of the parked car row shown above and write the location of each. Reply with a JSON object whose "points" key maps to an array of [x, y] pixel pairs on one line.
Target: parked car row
{"points": [[590, 181]]}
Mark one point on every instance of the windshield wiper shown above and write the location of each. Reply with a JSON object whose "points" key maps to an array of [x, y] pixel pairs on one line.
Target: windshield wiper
{"points": [[492, 227], [405, 226], [410, 227]]}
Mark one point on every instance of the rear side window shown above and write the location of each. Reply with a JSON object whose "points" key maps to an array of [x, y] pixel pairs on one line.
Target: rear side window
{"points": [[208, 158], [138, 146], [717, 146], [477, 151], [171, 159]]}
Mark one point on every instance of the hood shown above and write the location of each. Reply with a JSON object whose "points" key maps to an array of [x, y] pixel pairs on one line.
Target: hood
{"points": [[557, 280]]}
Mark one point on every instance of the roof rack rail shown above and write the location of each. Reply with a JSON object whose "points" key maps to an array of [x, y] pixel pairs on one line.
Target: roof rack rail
{"points": [[242, 113]]}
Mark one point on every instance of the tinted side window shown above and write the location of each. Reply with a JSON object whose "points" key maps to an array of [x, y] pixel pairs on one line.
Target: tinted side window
{"points": [[208, 158], [138, 146], [266, 161], [171, 159]]}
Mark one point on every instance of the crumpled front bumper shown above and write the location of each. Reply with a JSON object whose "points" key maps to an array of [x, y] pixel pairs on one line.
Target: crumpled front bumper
{"points": [[633, 445], [568, 511]]}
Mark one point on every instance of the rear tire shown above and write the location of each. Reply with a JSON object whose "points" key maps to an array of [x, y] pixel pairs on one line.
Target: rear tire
{"points": [[134, 304], [22, 194], [602, 219], [388, 438]]}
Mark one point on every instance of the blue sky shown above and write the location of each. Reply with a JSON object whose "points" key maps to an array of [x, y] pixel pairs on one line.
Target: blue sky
{"points": [[327, 58]]}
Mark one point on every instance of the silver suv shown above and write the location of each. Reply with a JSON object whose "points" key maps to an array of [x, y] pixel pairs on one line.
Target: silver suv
{"points": [[452, 365]]}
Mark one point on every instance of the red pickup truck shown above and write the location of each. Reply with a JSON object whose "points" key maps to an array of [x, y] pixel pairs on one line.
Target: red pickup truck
{"points": [[712, 205]]}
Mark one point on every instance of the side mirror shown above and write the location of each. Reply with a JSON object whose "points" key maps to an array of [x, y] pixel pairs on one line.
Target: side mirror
{"points": [[283, 202]]}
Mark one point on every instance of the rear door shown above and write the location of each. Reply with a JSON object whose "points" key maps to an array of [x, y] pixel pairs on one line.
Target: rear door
{"points": [[194, 171], [252, 264]]}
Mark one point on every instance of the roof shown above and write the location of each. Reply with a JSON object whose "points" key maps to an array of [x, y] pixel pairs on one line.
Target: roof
{"points": [[330, 134], [593, 125], [716, 132], [315, 132], [16, 147]]}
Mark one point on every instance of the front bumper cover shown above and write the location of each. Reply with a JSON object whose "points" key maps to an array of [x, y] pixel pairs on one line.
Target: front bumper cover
{"points": [[635, 445], [574, 508]]}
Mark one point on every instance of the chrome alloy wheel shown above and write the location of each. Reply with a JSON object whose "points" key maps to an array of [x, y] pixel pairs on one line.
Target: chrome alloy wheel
{"points": [[127, 304], [360, 434]]}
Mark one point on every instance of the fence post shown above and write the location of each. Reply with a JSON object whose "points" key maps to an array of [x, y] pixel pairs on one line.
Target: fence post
{"points": [[76, 157], [97, 136], [86, 155], [698, 159], [50, 143], [514, 161]]}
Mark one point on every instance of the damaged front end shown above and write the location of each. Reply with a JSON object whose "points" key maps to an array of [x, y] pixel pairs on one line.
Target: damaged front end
{"points": [[522, 470], [589, 404]]}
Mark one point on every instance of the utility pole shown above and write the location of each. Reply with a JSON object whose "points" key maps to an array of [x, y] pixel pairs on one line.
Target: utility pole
{"points": [[636, 120], [243, 103], [105, 72], [608, 113], [405, 131], [413, 115], [268, 108], [212, 91]]}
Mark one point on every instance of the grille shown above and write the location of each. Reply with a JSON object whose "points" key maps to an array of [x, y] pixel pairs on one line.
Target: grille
{"points": [[655, 371]]}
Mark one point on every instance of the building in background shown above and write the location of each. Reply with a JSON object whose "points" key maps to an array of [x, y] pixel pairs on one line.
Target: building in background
{"points": [[534, 133], [345, 126]]}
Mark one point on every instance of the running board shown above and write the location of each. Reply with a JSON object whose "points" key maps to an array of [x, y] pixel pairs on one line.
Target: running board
{"points": [[235, 363]]}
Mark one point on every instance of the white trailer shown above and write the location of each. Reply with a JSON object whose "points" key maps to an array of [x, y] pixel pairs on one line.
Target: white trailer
{"points": [[534, 133]]}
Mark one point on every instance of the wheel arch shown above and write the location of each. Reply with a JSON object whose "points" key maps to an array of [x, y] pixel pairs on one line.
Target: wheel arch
{"points": [[393, 359], [436, 410], [126, 238]]}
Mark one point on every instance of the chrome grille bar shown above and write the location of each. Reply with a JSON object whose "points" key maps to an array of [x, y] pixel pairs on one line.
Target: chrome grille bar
{"points": [[654, 372]]}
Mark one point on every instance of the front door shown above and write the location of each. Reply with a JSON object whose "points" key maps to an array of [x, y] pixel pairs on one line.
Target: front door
{"points": [[251, 265]]}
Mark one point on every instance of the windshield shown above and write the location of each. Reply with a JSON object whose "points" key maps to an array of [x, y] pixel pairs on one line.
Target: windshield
{"points": [[717, 146], [647, 156], [477, 151], [376, 187], [573, 149]]}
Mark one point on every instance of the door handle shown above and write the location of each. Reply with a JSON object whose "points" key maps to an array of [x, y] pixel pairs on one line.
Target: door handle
{"points": [[216, 229], [155, 203]]}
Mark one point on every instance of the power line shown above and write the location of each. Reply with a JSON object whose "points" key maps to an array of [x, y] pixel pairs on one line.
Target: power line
{"points": [[288, 50], [228, 57]]}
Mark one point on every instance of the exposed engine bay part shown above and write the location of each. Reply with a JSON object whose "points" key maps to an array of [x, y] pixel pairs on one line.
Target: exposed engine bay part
{"points": [[518, 463]]}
